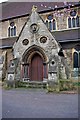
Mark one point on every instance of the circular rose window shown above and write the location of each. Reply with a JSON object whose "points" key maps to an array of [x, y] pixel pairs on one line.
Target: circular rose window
{"points": [[43, 39], [25, 42], [73, 13], [34, 28]]}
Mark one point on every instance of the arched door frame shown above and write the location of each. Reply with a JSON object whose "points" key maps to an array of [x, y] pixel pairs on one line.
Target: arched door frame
{"points": [[27, 56]]}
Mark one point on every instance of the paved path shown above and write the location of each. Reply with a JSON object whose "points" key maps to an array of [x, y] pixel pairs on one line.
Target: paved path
{"points": [[23, 103]]}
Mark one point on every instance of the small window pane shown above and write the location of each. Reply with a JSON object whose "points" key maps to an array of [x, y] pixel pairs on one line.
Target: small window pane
{"points": [[69, 22], [73, 13], [50, 17], [54, 25], [73, 22], [50, 25], [77, 21], [75, 61], [14, 30], [9, 31], [12, 24]]}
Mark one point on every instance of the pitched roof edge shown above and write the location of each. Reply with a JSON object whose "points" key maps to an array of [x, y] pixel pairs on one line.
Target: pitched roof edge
{"points": [[43, 11]]}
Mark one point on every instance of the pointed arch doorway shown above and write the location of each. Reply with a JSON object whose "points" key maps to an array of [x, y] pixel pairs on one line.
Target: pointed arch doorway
{"points": [[36, 68]]}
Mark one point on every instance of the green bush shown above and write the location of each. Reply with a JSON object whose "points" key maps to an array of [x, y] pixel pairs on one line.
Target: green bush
{"points": [[52, 86], [76, 84], [68, 85]]}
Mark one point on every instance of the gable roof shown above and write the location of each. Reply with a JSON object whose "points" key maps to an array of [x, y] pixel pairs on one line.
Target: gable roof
{"points": [[34, 29], [18, 9], [70, 35], [7, 42]]}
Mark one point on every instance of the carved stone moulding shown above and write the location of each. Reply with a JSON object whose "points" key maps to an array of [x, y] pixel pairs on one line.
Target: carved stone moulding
{"points": [[43, 39], [25, 42], [34, 28]]}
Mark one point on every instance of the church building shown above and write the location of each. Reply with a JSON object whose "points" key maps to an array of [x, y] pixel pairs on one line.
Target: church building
{"points": [[40, 41]]}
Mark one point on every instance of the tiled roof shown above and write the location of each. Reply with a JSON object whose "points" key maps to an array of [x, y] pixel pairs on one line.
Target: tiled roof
{"points": [[61, 36], [7, 42], [16, 9], [67, 35]]}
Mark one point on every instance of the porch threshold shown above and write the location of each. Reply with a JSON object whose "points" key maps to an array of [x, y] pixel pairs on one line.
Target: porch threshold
{"points": [[34, 84], [31, 81]]}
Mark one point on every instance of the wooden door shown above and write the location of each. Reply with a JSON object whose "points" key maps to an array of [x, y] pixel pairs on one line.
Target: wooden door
{"points": [[36, 68]]}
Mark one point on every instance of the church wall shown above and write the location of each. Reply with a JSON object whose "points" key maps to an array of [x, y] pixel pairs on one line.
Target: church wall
{"points": [[69, 50], [4, 32], [61, 23], [9, 55], [19, 22], [0, 51], [3, 64]]}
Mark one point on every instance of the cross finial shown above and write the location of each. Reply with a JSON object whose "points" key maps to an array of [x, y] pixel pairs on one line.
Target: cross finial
{"points": [[34, 8]]}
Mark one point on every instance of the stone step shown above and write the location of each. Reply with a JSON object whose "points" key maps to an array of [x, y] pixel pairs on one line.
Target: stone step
{"points": [[32, 84]]}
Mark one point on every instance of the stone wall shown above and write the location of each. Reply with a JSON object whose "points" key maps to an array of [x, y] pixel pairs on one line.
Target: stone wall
{"points": [[49, 47], [19, 22], [69, 60], [9, 55], [61, 22]]}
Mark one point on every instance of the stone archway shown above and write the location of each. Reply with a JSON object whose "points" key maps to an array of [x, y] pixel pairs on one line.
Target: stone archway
{"points": [[35, 64]]}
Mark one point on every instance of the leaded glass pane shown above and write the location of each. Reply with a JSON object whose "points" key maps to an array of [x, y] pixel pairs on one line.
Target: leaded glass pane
{"points": [[75, 61], [69, 22]]}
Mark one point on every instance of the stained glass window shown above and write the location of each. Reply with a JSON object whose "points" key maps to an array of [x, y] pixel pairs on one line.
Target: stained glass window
{"points": [[12, 29], [51, 22], [50, 25], [73, 22], [54, 24], [77, 21], [73, 13], [69, 22], [50, 17], [75, 61]]}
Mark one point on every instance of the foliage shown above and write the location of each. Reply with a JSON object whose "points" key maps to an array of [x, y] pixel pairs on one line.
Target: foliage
{"points": [[76, 84], [67, 85], [30, 84], [52, 86]]}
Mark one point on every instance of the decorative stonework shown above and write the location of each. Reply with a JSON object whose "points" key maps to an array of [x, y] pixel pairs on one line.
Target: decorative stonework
{"points": [[43, 39], [25, 42], [34, 28], [34, 8], [41, 42]]}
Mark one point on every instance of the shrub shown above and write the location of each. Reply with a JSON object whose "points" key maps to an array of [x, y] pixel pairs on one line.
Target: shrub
{"points": [[67, 85]]}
